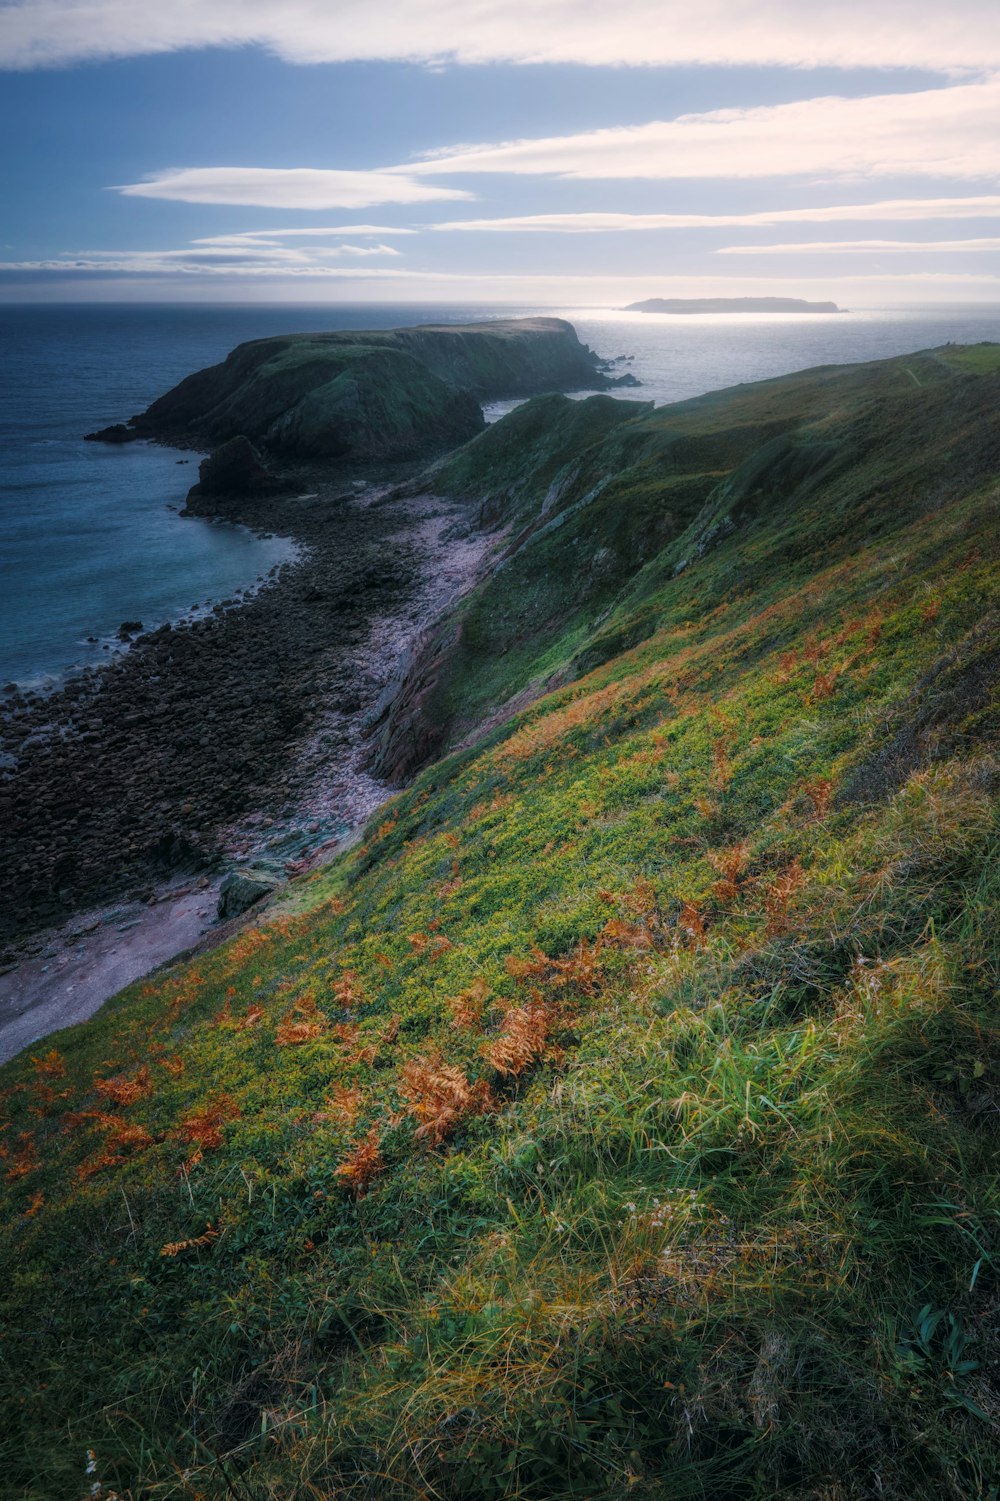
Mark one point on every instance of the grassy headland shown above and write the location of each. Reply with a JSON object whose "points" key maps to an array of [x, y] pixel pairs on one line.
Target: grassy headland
{"points": [[380, 393], [620, 1117]]}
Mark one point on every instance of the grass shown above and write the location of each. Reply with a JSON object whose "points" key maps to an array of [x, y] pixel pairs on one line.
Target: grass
{"points": [[979, 359], [620, 1117]]}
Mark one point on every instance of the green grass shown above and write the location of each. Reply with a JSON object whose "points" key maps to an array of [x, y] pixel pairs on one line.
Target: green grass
{"points": [[657, 1035], [979, 359]]}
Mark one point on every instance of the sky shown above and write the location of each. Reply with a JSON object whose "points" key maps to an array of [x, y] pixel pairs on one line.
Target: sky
{"points": [[530, 152]]}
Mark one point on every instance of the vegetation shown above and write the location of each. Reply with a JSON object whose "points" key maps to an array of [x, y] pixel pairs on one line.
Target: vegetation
{"points": [[381, 393], [620, 1118]]}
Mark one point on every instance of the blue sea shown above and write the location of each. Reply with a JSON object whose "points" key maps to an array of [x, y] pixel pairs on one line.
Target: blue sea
{"points": [[90, 536]]}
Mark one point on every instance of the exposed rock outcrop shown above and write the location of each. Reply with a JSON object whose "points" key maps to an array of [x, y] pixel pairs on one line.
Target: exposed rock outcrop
{"points": [[242, 889], [235, 471], [405, 730]]}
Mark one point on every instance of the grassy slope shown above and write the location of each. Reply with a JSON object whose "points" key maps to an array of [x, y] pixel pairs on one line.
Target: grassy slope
{"points": [[610, 510], [620, 1118]]}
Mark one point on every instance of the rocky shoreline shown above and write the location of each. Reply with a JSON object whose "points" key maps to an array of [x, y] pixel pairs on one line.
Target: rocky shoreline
{"points": [[240, 739], [232, 739]]}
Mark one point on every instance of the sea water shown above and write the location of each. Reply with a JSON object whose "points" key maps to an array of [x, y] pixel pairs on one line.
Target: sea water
{"points": [[90, 535]]}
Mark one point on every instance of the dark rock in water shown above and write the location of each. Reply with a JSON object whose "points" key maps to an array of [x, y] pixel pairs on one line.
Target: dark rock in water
{"points": [[129, 628], [236, 470], [118, 432], [241, 889]]}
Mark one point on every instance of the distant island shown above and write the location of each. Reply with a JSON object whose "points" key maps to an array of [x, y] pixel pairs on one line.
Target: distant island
{"points": [[730, 305]]}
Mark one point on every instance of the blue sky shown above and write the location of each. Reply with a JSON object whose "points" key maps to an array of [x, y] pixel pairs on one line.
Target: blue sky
{"points": [[552, 151]]}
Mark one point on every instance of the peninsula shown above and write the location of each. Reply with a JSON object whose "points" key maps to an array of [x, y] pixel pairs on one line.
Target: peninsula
{"points": [[372, 393], [730, 305]]}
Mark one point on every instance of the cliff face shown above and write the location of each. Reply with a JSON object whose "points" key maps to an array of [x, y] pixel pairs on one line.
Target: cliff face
{"points": [[379, 394]]}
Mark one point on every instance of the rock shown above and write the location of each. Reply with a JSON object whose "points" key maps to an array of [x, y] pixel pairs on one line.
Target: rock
{"points": [[236, 469], [118, 432], [241, 889], [129, 628]]}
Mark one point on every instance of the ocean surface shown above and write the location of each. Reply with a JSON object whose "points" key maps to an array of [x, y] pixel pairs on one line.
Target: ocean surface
{"points": [[90, 535]]}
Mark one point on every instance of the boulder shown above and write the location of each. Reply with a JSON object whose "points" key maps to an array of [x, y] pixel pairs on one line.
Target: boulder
{"points": [[241, 889]]}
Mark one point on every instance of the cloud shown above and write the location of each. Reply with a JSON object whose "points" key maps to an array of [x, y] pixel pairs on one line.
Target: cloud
{"points": [[886, 209], [833, 33], [294, 187], [360, 250], [945, 132], [814, 247], [205, 259], [275, 236]]}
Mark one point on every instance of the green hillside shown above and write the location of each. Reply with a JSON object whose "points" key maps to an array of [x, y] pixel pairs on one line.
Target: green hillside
{"points": [[620, 1118]]}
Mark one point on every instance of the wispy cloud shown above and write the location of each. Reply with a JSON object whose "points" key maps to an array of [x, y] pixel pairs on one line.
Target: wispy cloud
{"points": [[288, 188], [838, 33], [815, 247], [204, 259], [268, 237], [886, 209], [945, 132]]}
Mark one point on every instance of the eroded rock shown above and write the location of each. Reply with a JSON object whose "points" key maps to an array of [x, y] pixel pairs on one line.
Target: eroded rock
{"points": [[242, 889]]}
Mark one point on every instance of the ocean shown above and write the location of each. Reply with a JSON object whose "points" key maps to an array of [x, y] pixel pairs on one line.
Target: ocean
{"points": [[90, 536]]}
